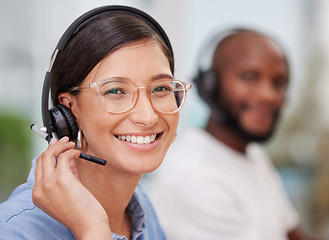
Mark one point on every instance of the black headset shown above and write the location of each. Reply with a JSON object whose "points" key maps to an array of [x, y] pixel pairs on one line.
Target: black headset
{"points": [[205, 78], [59, 119]]}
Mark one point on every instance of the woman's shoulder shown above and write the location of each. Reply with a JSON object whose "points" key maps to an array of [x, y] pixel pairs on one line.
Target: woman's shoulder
{"points": [[18, 202], [21, 219]]}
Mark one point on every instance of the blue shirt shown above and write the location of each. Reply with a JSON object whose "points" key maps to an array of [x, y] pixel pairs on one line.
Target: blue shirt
{"points": [[21, 219]]}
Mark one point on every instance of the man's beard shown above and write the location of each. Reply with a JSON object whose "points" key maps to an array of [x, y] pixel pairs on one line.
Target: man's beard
{"points": [[231, 120]]}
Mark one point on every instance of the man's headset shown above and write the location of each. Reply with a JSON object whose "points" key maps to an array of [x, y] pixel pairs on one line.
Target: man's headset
{"points": [[205, 78], [59, 119]]}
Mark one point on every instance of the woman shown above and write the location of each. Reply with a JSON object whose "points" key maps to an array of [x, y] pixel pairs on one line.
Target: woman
{"points": [[115, 76]]}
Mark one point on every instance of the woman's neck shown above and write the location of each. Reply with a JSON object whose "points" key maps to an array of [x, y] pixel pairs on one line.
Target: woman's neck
{"points": [[113, 189]]}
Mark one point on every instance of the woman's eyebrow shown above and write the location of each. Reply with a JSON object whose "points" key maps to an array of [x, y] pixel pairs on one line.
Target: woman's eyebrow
{"points": [[162, 76]]}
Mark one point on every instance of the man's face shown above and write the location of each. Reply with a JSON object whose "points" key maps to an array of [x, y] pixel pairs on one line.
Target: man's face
{"points": [[252, 86]]}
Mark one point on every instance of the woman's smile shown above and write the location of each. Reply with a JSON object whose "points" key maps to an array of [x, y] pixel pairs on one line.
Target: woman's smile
{"points": [[140, 141], [137, 139]]}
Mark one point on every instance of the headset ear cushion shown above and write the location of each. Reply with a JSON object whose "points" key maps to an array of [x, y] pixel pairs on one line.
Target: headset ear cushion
{"points": [[63, 121], [70, 120], [206, 82]]}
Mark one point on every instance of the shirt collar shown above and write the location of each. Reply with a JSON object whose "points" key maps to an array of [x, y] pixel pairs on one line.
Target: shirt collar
{"points": [[137, 211], [138, 216]]}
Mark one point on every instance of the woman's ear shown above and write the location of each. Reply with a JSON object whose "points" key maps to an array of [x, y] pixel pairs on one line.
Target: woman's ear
{"points": [[65, 99], [69, 101]]}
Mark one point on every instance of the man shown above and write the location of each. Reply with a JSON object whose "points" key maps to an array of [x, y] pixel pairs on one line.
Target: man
{"points": [[217, 183]]}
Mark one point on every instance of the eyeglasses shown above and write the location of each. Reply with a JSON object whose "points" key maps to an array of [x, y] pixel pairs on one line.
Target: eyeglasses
{"points": [[119, 96]]}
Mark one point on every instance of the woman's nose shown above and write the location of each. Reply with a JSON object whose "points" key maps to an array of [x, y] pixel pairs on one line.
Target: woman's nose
{"points": [[143, 113]]}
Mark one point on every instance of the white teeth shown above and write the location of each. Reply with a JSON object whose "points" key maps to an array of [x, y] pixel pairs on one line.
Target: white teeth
{"points": [[147, 139], [153, 137], [138, 139]]}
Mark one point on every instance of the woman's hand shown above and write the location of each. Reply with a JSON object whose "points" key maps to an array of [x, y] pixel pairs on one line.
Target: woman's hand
{"points": [[59, 192]]}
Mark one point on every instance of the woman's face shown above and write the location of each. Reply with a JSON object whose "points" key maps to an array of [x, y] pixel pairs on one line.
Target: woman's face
{"points": [[141, 64]]}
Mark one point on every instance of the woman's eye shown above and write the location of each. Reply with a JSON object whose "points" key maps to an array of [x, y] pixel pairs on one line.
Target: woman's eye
{"points": [[160, 89], [114, 91]]}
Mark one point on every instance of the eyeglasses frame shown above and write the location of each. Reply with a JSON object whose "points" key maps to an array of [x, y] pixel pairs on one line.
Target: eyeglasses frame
{"points": [[97, 85]]}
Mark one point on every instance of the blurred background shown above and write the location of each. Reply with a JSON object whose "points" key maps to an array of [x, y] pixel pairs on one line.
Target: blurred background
{"points": [[31, 29]]}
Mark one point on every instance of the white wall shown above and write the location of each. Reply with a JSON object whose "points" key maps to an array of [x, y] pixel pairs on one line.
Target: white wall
{"points": [[32, 29]]}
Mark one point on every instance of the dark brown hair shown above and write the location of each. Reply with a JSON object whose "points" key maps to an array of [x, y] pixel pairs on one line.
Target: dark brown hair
{"points": [[95, 39]]}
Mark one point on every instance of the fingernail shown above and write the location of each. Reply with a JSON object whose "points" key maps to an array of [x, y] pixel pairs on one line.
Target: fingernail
{"points": [[64, 139], [52, 141]]}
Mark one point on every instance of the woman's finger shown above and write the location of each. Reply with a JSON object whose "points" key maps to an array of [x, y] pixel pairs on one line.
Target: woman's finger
{"points": [[63, 161], [48, 157]]}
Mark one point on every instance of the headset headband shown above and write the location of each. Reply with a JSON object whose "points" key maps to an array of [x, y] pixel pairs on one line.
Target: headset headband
{"points": [[70, 32], [205, 54]]}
